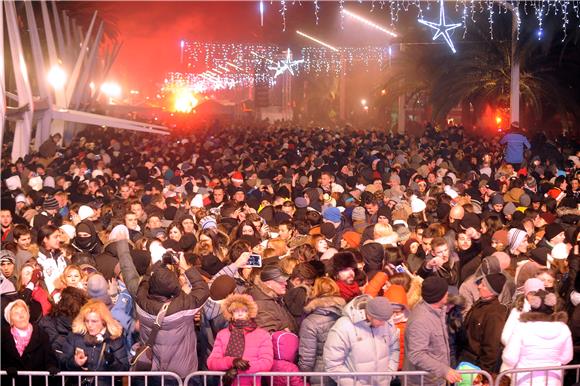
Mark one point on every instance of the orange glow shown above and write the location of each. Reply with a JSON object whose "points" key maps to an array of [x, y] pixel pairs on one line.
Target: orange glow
{"points": [[184, 100], [498, 120]]}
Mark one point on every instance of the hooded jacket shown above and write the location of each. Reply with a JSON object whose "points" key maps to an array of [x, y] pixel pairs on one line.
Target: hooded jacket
{"points": [[273, 315], [541, 340], [322, 313], [285, 345], [175, 347], [353, 345]]}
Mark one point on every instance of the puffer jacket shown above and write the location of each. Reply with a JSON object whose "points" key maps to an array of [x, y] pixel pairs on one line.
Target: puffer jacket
{"points": [[322, 314], [285, 345], [175, 347], [353, 345], [257, 351], [540, 340], [58, 328], [273, 314], [427, 345]]}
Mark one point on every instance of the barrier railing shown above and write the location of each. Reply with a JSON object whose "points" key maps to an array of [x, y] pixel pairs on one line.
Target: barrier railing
{"points": [[214, 378], [541, 376], [93, 378]]}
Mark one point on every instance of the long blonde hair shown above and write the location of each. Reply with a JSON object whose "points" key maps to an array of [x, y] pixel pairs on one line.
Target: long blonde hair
{"points": [[60, 283], [323, 287], [98, 307]]}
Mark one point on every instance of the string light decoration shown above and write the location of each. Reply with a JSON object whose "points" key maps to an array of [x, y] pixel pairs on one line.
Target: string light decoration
{"points": [[442, 27]]}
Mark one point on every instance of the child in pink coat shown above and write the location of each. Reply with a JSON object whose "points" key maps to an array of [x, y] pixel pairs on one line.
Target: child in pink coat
{"points": [[285, 346]]}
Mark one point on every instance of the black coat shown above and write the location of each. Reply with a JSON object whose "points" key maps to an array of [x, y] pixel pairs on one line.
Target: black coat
{"points": [[58, 328], [37, 356]]}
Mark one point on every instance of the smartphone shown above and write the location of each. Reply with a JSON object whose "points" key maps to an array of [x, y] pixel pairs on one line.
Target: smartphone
{"points": [[399, 268], [255, 260]]}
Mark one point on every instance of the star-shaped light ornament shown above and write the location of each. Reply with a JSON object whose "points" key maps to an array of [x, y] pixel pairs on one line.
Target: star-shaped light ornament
{"points": [[442, 27], [286, 65]]}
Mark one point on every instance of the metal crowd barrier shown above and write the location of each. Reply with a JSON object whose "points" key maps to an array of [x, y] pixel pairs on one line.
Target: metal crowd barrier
{"points": [[213, 378], [541, 376], [142, 378]]}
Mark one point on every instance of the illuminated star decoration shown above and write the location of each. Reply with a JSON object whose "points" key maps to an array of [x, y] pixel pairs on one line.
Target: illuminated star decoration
{"points": [[442, 27], [285, 65]]}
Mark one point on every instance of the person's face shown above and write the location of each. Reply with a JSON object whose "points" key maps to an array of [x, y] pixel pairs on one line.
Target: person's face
{"points": [[383, 220], [346, 275], [321, 245], [175, 234], [19, 317], [523, 247], [484, 292], [131, 221], [426, 243], [372, 208], [547, 279], [239, 196], [93, 187], [325, 180], [240, 314], [498, 207], [5, 218], [24, 242], [137, 209], [247, 230], [26, 275], [125, 192], [539, 222], [431, 178], [375, 323], [559, 238], [72, 278], [442, 251], [154, 222], [218, 195], [289, 210], [284, 233], [575, 185], [564, 185], [94, 323], [7, 268], [188, 225], [279, 287], [529, 227], [463, 242], [414, 248], [52, 241]]}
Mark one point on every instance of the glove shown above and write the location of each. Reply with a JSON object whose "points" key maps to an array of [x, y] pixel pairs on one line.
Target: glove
{"points": [[241, 364], [229, 377], [36, 276], [53, 370], [12, 372]]}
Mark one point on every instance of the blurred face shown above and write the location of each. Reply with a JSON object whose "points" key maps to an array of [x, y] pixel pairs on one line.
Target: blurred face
{"points": [[19, 317], [372, 208], [52, 241], [442, 251], [463, 242], [498, 207], [218, 195], [125, 192], [26, 275], [523, 247], [175, 234], [72, 278], [414, 248], [247, 230], [240, 314], [188, 225], [559, 238], [239, 196], [547, 279], [279, 287], [484, 292], [131, 221], [375, 323], [325, 180], [94, 323], [154, 222], [321, 245], [7, 268], [5, 218], [426, 243], [284, 233], [137, 209], [346, 275], [24, 242]]}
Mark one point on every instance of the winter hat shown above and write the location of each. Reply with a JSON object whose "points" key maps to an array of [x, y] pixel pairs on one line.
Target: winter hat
{"points": [[358, 214], [69, 230], [98, 288], [119, 232], [238, 301], [237, 177], [342, 261], [540, 255], [11, 305], [548, 217], [525, 200], [164, 282], [273, 272], [560, 252], [501, 236], [553, 230], [497, 199], [398, 297], [450, 192], [470, 220], [494, 282], [13, 183], [207, 222], [222, 287], [6, 255], [434, 289], [331, 214], [50, 203], [543, 301], [532, 285], [380, 308], [352, 239], [49, 182], [197, 201], [373, 255], [35, 183], [509, 209], [20, 198], [515, 238], [300, 202], [86, 212], [328, 230], [417, 205]]}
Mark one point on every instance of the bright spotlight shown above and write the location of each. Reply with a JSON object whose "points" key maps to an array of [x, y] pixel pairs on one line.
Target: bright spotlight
{"points": [[185, 101], [56, 77], [111, 89], [498, 120], [363, 102], [369, 23]]}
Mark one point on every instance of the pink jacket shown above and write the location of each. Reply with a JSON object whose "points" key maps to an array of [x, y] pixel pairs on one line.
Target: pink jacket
{"points": [[285, 346], [257, 351]]}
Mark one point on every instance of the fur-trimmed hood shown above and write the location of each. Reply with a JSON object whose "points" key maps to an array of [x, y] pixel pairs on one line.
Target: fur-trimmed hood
{"points": [[235, 301], [325, 302], [560, 316]]}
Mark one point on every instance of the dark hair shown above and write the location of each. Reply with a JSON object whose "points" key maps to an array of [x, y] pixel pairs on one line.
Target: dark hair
{"points": [[237, 248], [19, 231], [71, 301], [304, 252], [45, 231]]}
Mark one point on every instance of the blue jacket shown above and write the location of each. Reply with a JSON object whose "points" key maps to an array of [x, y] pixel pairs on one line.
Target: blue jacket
{"points": [[514, 151]]}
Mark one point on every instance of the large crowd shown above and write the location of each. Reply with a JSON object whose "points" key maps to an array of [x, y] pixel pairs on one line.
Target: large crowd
{"points": [[286, 249]]}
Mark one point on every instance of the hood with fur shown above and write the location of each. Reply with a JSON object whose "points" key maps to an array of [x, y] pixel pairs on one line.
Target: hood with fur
{"points": [[559, 316], [355, 310], [328, 302], [235, 301]]}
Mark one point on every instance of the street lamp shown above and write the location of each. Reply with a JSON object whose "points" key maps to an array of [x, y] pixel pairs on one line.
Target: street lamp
{"points": [[56, 77]]}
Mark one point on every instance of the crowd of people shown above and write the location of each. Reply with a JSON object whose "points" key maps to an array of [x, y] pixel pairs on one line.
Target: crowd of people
{"points": [[283, 249]]}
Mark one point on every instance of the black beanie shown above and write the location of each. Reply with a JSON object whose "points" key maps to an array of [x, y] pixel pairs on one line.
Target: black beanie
{"points": [[433, 289], [495, 282], [553, 230]]}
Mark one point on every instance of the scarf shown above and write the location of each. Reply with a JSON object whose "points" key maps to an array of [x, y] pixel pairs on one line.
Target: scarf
{"points": [[236, 344], [348, 291], [21, 338]]}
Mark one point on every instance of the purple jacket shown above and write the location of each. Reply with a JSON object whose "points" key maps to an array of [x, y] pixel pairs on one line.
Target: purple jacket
{"points": [[257, 351], [285, 346]]}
